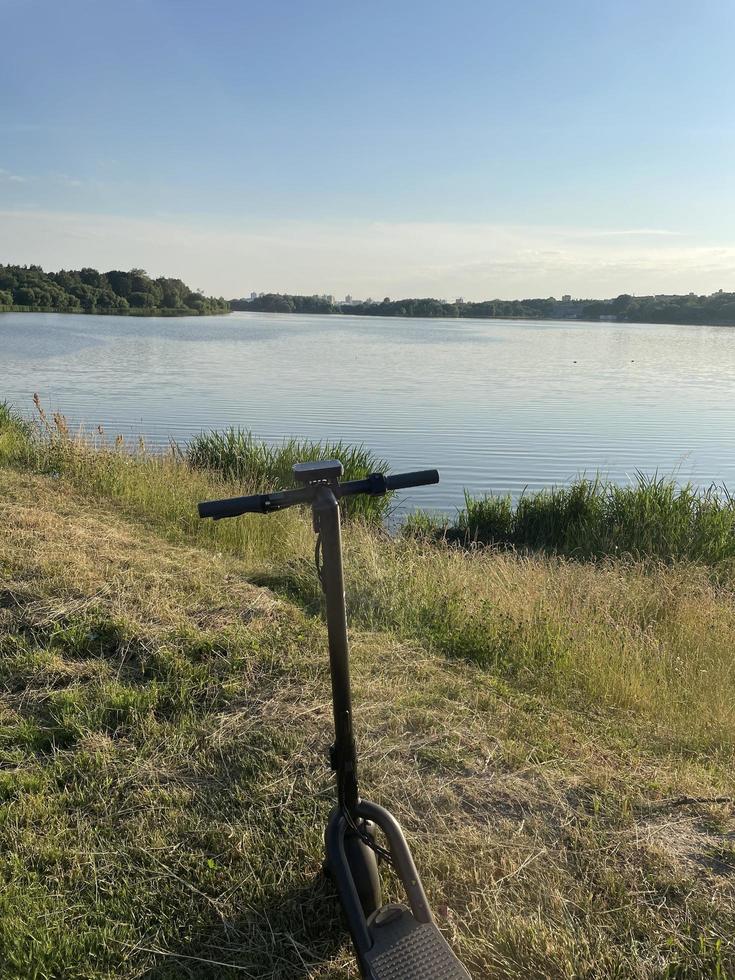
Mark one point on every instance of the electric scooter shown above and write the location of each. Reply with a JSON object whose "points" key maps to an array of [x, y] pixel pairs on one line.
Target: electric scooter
{"points": [[392, 941]]}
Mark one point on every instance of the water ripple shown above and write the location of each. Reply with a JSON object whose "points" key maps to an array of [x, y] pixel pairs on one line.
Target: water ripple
{"points": [[495, 405]]}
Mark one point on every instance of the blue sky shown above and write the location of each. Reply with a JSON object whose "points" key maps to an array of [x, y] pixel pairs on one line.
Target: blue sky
{"points": [[473, 148]]}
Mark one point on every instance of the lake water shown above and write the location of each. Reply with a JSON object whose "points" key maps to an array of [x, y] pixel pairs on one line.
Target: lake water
{"points": [[493, 404]]}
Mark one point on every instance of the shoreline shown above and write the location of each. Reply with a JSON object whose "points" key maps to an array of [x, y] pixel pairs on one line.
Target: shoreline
{"points": [[169, 313]]}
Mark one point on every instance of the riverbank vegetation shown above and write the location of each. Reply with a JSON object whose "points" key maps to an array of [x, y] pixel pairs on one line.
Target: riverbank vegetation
{"points": [[717, 308], [29, 289], [655, 518], [237, 455], [557, 735]]}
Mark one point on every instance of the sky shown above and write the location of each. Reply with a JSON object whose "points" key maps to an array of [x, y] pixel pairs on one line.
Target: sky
{"points": [[469, 148]]}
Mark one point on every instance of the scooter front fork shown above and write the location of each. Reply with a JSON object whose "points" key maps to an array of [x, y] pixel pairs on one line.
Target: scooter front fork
{"points": [[353, 867], [363, 862], [360, 860]]}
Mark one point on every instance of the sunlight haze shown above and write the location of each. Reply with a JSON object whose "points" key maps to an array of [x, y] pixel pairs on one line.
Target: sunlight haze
{"points": [[535, 149]]}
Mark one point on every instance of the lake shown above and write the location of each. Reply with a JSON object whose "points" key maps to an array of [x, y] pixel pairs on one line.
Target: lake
{"points": [[497, 405]]}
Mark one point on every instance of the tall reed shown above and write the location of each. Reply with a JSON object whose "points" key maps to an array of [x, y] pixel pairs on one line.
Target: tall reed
{"points": [[655, 518], [161, 487], [235, 454]]}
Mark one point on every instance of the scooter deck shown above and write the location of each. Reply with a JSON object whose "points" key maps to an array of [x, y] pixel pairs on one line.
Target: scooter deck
{"points": [[404, 949]]}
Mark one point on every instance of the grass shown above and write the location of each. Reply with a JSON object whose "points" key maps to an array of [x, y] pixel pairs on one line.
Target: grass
{"points": [[654, 518], [236, 455], [162, 487], [556, 736], [646, 641], [15, 433]]}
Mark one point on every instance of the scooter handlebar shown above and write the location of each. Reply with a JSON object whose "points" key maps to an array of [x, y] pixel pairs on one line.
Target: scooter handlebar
{"points": [[232, 507], [257, 503], [263, 503], [420, 478]]}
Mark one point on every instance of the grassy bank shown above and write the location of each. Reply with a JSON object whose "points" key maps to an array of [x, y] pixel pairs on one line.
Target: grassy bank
{"points": [[654, 518], [556, 735]]}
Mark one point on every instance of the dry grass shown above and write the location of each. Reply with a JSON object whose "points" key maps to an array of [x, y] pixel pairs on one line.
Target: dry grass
{"points": [[648, 643], [163, 725]]}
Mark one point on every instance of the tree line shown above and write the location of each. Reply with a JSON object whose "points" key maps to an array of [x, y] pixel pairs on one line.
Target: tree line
{"points": [[716, 308], [286, 303], [86, 290], [29, 288]]}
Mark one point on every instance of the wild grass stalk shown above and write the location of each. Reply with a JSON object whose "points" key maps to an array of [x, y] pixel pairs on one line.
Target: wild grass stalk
{"points": [[646, 640], [161, 487], [656, 518], [15, 431], [238, 456]]}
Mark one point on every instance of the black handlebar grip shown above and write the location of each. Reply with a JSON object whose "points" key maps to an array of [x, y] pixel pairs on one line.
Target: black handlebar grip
{"points": [[218, 509], [421, 478]]}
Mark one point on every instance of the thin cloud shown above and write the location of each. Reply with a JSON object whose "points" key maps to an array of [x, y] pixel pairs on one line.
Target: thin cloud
{"points": [[637, 233], [67, 180], [477, 261], [11, 178], [38, 179]]}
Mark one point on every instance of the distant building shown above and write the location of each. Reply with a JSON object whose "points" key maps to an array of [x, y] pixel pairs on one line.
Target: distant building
{"points": [[253, 296], [458, 300], [567, 308], [348, 298]]}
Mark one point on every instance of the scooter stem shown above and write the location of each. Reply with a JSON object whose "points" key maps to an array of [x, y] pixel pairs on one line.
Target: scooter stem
{"points": [[391, 941], [325, 509]]}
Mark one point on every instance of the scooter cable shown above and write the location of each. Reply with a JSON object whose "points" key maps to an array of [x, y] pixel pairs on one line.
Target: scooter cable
{"points": [[318, 560], [383, 853]]}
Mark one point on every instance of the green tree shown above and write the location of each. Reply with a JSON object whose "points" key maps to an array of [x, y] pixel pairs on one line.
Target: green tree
{"points": [[94, 292]]}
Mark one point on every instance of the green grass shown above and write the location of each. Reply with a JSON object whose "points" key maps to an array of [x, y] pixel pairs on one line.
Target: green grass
{"points": [[554, 734], [628, 633], [162, 486], [15, 433], [642, 641], [237, 456], [655, 518]]}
